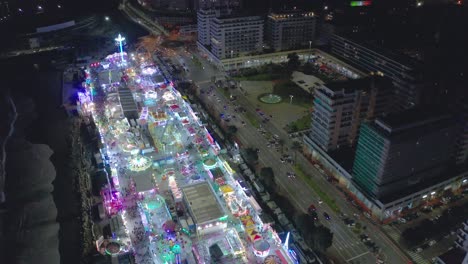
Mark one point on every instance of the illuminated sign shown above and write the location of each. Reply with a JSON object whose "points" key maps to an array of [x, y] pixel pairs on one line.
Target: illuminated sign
{"points": [[360, 3]]}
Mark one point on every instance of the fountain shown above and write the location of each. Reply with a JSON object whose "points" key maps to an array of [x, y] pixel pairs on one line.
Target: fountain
{"points": [[270, 98]]}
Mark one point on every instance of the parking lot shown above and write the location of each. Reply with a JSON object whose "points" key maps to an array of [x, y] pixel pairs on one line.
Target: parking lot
{"points": [[428, 250]]}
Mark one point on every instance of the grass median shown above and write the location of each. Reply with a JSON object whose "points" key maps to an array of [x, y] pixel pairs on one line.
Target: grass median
{"points": [[310, 181], [252, 119]]}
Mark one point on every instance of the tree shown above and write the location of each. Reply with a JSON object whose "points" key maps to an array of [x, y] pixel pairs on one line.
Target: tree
{"points": [[293, 61], [285, 205], [304, 222], [267, 176], [281, 143], [308, 68], [231, 131], [296, 146], [251, 156], [320, 239]]}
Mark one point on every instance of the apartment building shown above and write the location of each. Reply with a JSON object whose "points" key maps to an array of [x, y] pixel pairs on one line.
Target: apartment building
{"points": [[340, 107], [203, 24], [215, 4], [236, 36], [290, 30], [403, 71]]}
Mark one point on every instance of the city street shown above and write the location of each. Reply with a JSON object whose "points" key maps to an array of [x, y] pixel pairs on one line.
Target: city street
{"points": [[347, 247]]}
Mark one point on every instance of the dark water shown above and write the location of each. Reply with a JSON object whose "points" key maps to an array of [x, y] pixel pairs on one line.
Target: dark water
{"points": [[37, 78]]}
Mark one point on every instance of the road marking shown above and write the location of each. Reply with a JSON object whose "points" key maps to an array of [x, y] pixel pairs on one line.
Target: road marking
{"points": [[203, 82], [358, 256]]}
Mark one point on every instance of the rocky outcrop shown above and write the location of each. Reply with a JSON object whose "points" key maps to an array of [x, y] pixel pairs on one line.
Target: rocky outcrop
{"points": [[29, 222]]}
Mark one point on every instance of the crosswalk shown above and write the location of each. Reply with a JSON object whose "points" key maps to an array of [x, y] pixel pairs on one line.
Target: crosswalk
{"points": [[395, 236]]}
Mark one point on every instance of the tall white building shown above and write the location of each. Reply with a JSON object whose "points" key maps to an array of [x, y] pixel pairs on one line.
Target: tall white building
{"points": [[206, 4], [236, 36], [203, 23], [290, 30], [340, 107]]}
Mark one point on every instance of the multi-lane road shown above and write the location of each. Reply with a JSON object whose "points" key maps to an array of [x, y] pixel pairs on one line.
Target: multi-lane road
{"points": [[347, 246]]}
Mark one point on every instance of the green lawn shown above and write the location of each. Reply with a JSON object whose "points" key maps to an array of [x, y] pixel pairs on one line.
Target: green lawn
{"points": [[302, 123], [225, 92], [311, 182], [287, 88], [252, 119]]}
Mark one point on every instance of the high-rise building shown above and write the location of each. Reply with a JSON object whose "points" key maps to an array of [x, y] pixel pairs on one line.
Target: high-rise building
{"points": [[340, 107], [170, 4], [290, 30], [403, 71], [203, 23], [215, 4], [403, 151], [235, 36]]}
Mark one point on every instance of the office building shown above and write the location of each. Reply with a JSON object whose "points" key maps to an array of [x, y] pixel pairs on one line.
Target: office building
{"points": [[340, 107], [403, 71], [290, 30], [236, 36], [215, 4], [403, 152]]}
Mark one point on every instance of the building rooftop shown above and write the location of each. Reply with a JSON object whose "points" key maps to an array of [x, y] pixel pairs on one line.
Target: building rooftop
{"points": [[454, 256], [202, 202], [290, 14], [397, 57], [127, 102], [350, 85], [410, 119]]}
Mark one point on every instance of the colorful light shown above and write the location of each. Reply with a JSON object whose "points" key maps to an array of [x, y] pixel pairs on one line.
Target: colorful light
{"points": [[360, 3], [120, 39]]}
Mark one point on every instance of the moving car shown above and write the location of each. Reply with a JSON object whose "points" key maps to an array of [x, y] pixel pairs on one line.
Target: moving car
{"points": [[311, 208], [326, 216]]}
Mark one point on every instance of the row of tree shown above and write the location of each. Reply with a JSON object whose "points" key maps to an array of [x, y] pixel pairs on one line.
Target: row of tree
{"points": [[318, 237], [80, 166]]}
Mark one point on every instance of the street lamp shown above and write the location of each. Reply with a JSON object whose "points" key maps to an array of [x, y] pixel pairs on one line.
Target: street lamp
{"points": [[290, 98], [106, 18]]}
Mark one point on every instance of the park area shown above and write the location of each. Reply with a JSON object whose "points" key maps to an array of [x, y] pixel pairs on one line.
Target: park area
{"points": [[285, 91]]}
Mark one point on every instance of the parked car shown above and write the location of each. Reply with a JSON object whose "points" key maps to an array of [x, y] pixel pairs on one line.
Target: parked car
{"points": [[327, 216]]}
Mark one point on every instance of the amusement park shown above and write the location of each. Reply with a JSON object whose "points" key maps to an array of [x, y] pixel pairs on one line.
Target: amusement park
{"points": [[170, 187]]}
